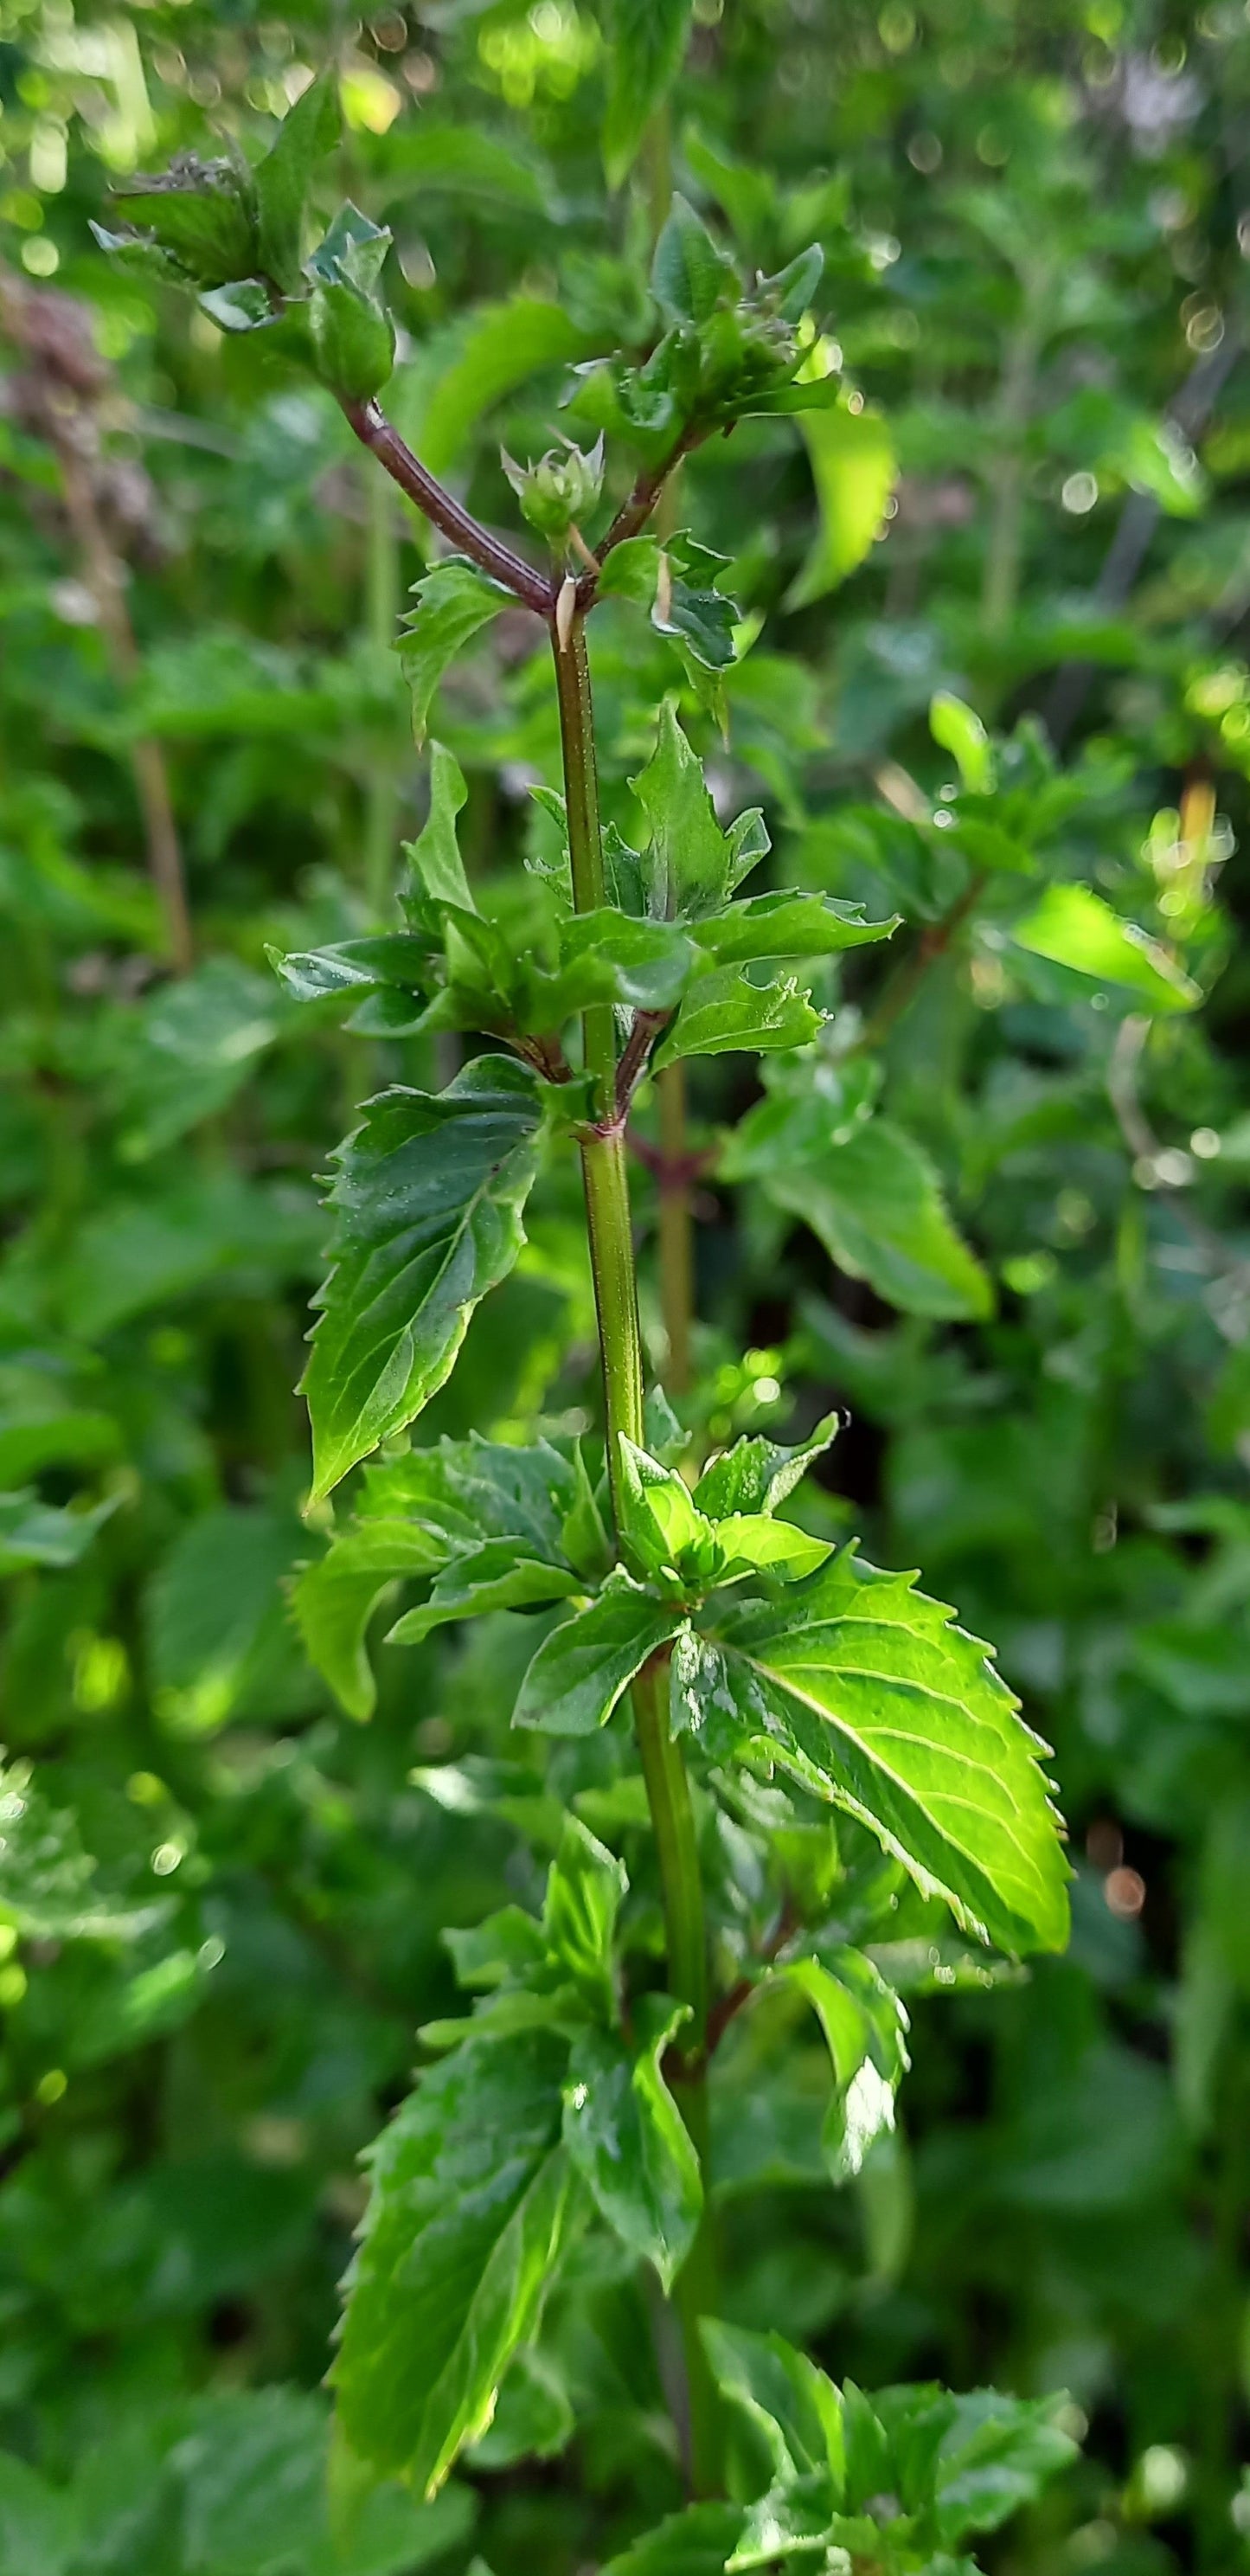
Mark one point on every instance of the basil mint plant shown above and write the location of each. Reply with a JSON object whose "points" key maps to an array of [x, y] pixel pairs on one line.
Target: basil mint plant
{"points": [[774, 1768]]}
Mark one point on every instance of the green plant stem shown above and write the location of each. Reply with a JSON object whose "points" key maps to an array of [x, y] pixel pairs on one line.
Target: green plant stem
{"points": [[606, 1178], [581, 791], [676, 1228], [382, 611], [672, 1816], [605, 1175]]}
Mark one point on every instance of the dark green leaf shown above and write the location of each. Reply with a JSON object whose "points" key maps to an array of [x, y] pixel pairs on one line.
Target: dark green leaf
{"points": [[689, 274], [199, 211], [334, 1600], [790, 2402], [690, 865], [864, 2024], [453, 601], [468, 2203], [353, 340], [995, 2454], [582, 1668], [495, 1576], [309, 130], [427, 1200], [756, 1475], [871, 1195], [585, 1888], [627, 2138]]}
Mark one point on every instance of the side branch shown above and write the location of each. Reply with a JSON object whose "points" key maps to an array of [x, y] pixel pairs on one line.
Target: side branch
{"points": [[634, 512], [491, 553]]}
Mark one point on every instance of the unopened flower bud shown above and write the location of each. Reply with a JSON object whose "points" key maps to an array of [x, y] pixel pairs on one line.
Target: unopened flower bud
{"points": [[559, 490]]}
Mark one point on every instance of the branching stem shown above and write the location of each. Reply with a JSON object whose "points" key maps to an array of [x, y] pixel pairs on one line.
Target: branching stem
{"points": [[492, 555]]}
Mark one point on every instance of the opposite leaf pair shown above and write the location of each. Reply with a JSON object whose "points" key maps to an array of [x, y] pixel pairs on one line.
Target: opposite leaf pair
{"points": [[780, 1651], [892, 2485], [545, 2106], [671, 946]]}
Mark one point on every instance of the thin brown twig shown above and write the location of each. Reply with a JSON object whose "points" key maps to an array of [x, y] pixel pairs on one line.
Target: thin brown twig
{"points": [[492, 554]]}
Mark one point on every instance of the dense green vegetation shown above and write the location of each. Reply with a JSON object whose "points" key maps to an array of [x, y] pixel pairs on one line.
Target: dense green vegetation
{"points": [[859, 388]]}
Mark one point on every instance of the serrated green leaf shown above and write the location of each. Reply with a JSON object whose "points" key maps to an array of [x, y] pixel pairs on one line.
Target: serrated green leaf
{"points": [[757, 1474], [334, 1600], [689, 864], [434, 857], [659, 1522], [201, 213], [427, 1199], [863, 2022], [787, 2398], [750, 1542], [995, 2454], [648, 42], [495, 1576], [788, 925], [309, 130], [688, 606], [586, 1886], [453, 603], [607, 955], [353, 340], [397, 960], [141, 257], [1074, 927], [244, 305], [628, 2140], [957, 728], [467, 2209], [689, 274], [725, 1013], [867, 1692], [352, 336], [582, 1668], [463, 1491], [854, 470]]}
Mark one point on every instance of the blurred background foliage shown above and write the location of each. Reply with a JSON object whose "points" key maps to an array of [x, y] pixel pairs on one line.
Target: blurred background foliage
{"points": [[220, 1900]]}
